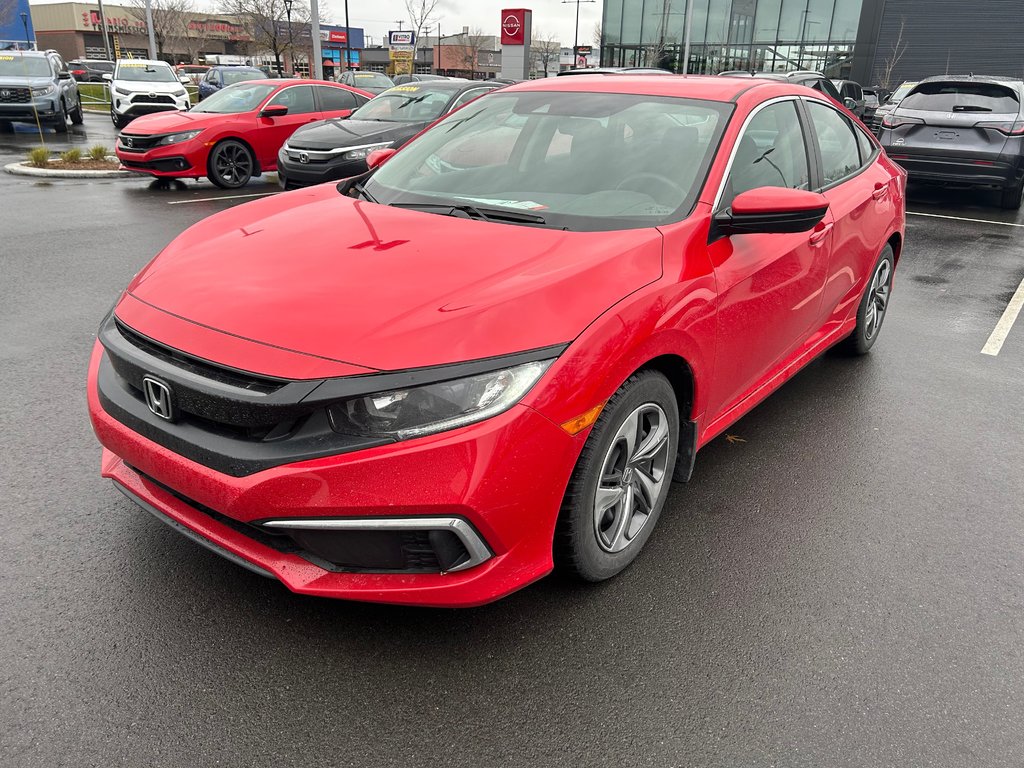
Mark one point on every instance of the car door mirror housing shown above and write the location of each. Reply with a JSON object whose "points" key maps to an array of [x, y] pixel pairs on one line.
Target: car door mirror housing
{"points": [[63, 75], [108, 76], [770, 210], [184, 80], [278, 110], [849, 103], [378, 157]]}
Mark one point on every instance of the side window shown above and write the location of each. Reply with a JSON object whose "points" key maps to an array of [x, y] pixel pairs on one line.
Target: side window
{"points": [[864, 144], [335, 99], [298, 99], [837, 142], [54, 65], [468, 96], [771, 153]]}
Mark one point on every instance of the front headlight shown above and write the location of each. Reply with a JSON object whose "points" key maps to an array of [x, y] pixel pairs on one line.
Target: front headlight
{"points": [[44, 90], [175, 138], [360, 153], [122, 91], [424, 410]]}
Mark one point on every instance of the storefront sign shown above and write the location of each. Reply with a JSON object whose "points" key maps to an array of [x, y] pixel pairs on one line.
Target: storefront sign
{"points": [[400, 37], [513, 26]]}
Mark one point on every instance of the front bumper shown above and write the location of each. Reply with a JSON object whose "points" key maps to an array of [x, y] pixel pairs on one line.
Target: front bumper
{"points": [[183, 160], [293, 173], [505, 477], [47, 108], [135, 105]]}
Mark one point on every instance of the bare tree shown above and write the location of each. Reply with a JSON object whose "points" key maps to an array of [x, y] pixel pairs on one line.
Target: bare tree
{"points": [[421, 17], [472, 43], [170, 19], [892, 60], [544, 49], [597, 34], [266, 22]]}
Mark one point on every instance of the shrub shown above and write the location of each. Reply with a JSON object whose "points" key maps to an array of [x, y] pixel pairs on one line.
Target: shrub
{"points": [[71, 156], [39, 157], [98, 152]]}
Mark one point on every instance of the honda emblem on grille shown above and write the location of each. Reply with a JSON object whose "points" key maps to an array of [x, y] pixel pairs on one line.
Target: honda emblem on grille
{"points": [[158, 398], [5, 94], [128, 141], [303, 157]]}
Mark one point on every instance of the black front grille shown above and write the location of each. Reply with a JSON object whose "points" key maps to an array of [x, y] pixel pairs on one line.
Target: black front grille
{"points": [[15, 95], [152, 98], [133, 143]]}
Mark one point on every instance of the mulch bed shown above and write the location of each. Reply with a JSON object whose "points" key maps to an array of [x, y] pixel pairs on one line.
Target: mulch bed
{"points": [[82, 165]]}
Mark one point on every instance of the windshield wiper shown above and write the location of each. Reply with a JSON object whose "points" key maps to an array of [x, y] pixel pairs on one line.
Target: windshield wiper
{"points": [[482, 214]]}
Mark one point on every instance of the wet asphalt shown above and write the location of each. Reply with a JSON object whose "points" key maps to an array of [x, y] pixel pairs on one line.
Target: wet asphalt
{"points": [[842, 585]]}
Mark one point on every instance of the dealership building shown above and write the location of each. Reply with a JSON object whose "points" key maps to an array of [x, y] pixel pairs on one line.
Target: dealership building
{"points": [[869, 41]]}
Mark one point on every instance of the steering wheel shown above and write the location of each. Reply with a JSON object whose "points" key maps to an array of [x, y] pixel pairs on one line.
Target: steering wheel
{"points": [[675, 190]]}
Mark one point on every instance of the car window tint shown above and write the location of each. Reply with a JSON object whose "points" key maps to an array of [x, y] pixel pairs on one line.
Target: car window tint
{"points": [[836, 141], [771, 153], [335, 99], [864, 144], [298, 99], [962, 97]]}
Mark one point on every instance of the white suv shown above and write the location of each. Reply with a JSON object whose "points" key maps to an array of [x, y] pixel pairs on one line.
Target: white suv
{"points": [[140, 86]]}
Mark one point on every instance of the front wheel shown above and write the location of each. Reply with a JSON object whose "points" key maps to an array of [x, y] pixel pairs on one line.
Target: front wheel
{"points": [[230, 165], [61, 125], [118, 121], [621, 480], [873, 305], [77, 118]]}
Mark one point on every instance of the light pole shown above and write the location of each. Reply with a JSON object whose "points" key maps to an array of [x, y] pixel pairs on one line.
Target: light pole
{"points": [[576, 38], [24, 23], [347, 33], [291, 45]]}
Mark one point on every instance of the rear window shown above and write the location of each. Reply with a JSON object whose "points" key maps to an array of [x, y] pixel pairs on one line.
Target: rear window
{"points": [[962, 97]]}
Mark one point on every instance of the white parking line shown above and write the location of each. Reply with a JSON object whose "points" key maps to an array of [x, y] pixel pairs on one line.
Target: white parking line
{"points": [[1002, 329], [962, 218], [223, 197]]}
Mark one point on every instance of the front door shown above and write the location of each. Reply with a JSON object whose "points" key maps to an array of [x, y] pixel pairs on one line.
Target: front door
{"points": [[274, 131]]}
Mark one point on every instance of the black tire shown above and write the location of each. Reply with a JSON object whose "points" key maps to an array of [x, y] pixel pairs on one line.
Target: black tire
{"points": [[77, 118], [877, 291], [584, 545], [61, 124], [118, 121], [230, 165], [1012, 197]]}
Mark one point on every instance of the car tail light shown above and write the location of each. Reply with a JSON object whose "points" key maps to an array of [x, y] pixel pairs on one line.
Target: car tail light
{"points": [[1005, 127], [894, 121], [77, 72]]}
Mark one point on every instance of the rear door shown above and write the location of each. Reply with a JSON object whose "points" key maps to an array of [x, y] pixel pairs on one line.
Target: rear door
{"points": [[335, 102], [958, 120]]}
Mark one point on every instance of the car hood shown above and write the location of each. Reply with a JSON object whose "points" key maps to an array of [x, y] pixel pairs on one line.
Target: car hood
{"points": [[136, 86], [381, 288], [170, 122], [331, 134]]}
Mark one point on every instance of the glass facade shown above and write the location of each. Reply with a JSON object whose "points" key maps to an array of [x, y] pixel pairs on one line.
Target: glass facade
{"points": [[762, 35]]}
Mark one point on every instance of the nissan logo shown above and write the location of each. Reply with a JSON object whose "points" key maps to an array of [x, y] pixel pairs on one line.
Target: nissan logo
{"points": [[158, 398], [303, 157], [510, 25]]}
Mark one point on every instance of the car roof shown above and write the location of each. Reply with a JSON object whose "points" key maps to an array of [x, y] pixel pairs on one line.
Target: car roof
{"points": [[445, 85], [707, 87], [615, 71], [233, 66], [147, 62], [998, 79]]}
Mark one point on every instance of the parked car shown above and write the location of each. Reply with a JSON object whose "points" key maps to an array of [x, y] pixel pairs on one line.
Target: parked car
{"points": [[374, 82], [889, 104], [335, 150], [417, 78], [90, 70], [851, 96], [143, 86], [614, 71], [815, 80], [37, 85], [194, 72], [873, 98], [961, 130], [434, 383], [220, 76], [234, 134]]}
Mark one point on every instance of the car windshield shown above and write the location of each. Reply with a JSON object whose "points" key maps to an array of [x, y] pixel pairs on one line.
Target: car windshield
{"points": [[410, 103], [100, 66], [578, 161], [143, 72], [13, 65], [962, 97], [243, 97], [371, 79], [241, 75], [900, 93]]}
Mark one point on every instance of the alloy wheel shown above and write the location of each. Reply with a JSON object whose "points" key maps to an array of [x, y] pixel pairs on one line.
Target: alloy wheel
{"points": [[233, 164], [633, 474], [878, 299]]}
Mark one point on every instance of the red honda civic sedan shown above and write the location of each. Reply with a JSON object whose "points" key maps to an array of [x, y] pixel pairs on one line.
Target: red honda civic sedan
{"points": [[490, 355], [234, 134]]}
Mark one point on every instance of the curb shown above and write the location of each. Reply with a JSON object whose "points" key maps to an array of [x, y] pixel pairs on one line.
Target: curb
{"points": [[23, 169]]}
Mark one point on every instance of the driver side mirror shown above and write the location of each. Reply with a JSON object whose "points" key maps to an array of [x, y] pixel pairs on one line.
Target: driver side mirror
{"points": [[849, 103], [108, 76], [184, 79], [378, 157], [278, 110], [770, 210], [63, 75]]}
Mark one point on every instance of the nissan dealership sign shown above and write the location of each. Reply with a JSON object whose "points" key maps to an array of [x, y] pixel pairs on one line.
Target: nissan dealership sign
{"points": [[513, 26]]}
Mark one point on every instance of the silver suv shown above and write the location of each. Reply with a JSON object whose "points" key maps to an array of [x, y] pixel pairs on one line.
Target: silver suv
{"points": [[36, 85]]}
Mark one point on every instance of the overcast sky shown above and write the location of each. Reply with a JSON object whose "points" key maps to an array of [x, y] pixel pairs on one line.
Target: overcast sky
{"points": [[378, 16]]}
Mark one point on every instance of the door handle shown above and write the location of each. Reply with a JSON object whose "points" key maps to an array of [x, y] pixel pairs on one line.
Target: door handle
{"points": [[818, 235], [881, 190]]}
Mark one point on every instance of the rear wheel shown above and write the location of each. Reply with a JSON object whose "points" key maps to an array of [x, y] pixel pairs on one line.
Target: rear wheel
{"points": [[621, 480], [1012, 197], [230, 165], [873, 306]]}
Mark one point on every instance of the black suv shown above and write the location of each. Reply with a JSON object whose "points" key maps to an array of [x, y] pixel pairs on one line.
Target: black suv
{"points": [[815, 80], [961, 131], [90, 70]]}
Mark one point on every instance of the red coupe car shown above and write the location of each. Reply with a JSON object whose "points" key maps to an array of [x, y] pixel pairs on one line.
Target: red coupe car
{"points": [[234, 134], [491, 354]]}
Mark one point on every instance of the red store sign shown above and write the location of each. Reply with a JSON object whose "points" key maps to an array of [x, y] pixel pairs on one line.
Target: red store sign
{"points": [[513, 26]]}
